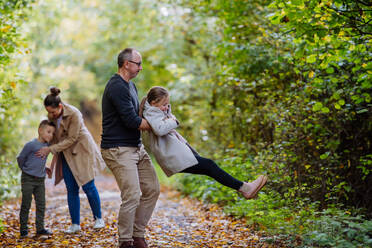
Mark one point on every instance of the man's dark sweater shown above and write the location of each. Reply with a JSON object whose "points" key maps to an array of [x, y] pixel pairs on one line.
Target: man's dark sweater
{"points": [[120, 119]]}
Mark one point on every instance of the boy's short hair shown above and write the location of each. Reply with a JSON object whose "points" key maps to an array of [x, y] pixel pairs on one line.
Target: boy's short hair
{"points": [[46, 123]]}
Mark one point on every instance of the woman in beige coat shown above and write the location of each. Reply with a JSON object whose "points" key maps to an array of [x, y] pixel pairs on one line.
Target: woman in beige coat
{"points": [[174, 154], [77, 158]]}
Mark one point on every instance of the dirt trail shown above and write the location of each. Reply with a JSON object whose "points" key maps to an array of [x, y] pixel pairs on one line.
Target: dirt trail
{"points": [[176, 222]]}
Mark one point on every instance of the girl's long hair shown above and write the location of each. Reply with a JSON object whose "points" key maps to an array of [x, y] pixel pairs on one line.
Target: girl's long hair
{"points": [[155, 95], [142, 105]]}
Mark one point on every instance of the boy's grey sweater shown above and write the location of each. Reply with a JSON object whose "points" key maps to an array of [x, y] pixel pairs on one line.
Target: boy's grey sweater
{"points": [[28, 162]]}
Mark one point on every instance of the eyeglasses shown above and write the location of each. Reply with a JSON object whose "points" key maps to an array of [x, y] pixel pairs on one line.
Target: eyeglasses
{"points": [[137, 63]]}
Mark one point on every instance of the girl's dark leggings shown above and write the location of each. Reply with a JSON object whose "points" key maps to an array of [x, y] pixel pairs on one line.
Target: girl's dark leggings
{"points": [[208, 167]]}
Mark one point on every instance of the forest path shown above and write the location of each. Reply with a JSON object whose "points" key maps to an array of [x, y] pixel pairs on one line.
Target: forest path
{"points": [[176, 222]]}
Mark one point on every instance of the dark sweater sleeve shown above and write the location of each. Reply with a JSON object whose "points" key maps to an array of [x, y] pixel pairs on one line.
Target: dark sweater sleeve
{"points": [[122, 101]]}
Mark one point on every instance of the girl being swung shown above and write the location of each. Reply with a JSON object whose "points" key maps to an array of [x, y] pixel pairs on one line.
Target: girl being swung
{"points": [[174, 154]]}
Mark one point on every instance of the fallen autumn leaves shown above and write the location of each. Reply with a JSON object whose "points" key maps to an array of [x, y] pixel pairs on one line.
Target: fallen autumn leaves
{"points": [[176, 222]]}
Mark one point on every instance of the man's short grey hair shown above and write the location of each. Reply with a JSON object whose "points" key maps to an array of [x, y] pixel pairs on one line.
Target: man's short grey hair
{"points": [[126, 54]]}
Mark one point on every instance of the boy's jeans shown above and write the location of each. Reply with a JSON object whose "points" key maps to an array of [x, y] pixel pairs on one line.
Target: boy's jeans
{"points": [[73, 199], [32, 185]]}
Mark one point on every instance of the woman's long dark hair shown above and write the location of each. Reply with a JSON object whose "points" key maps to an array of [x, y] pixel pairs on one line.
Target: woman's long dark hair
{"points": [[53, 100]]}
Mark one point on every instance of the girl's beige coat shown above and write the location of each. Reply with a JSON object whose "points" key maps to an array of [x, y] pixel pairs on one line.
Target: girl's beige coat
{"points": [[81, 152]]}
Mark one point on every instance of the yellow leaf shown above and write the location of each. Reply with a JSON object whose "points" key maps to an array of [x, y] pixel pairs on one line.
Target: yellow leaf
{"points": [[327, 38], [5, 29], [311, 74]]}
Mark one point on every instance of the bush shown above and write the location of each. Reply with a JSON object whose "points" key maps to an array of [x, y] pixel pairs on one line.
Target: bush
{"points": [[11, 105], [335, 228], [292, 87], [280, 214]]}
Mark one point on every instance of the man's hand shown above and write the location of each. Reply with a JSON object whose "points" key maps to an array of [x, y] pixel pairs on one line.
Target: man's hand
{"points": [[43, 152], [144, 126]]}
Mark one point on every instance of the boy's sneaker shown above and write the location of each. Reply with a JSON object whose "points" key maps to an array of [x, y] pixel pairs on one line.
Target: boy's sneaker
{"points": [[23, 234], [74, 228], [99, 223], [44, 232]]}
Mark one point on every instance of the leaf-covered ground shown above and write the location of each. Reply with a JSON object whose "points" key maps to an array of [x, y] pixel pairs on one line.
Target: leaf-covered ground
{"points": [[176, 222]]}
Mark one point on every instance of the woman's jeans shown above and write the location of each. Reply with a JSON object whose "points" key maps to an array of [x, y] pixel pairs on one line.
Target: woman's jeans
{"points": [[73, 195]]}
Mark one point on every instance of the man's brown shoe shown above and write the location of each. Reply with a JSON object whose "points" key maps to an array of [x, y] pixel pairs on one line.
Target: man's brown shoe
{"points": [[127, 244], [139, 242]]}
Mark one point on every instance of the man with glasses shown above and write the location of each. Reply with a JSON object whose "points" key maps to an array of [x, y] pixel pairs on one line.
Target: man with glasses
{"points": [[124, 153]]}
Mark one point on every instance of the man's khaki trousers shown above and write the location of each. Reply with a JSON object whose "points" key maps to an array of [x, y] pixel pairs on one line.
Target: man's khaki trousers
{"points": [[139, 186]]}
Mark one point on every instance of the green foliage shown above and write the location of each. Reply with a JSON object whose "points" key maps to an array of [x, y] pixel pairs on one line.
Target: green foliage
{"points": [[11, 102], [338, 230], [270, 211], [11, 12], [293, 90], [286, 217], [331, 42], [291, 86]]}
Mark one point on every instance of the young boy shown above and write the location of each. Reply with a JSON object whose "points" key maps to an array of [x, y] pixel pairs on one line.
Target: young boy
{"points": [[33, 177]]}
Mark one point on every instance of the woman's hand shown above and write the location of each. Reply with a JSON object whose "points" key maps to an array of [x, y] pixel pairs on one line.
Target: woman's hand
{"points": [[49, 172], [43, 152]]}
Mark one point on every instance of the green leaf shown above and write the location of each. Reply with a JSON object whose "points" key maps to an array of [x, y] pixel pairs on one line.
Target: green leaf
{"points": [[297, 2], [324, 155], [317, 106], [311, 59], [325, 110], [362, 111], [330, 70]]}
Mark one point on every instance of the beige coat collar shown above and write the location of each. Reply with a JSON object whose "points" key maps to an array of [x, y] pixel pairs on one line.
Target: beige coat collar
{"points": [[67, 110]]}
